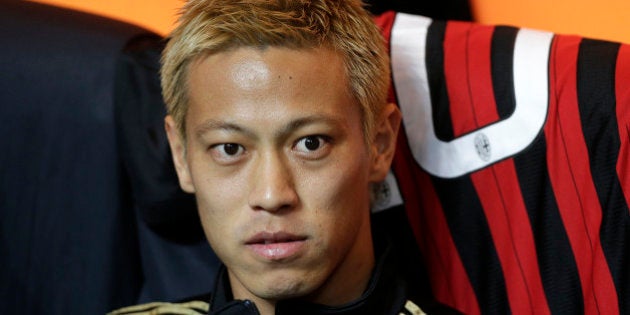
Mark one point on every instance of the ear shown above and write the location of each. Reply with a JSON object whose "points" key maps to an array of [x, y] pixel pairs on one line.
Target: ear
{"points": [[178, 151], [384, 142]]}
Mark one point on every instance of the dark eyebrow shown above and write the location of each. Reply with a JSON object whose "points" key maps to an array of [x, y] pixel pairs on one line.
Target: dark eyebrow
{"points": [[301, 122], [212, 124]]}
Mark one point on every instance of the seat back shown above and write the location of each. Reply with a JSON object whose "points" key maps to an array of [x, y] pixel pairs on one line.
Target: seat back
{"points": [[73, 237]]}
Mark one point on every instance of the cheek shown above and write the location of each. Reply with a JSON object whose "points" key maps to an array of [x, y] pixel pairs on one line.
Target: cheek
{"points": [[340, 194], [213, 218], [216, 190], [219, 214], [219, 200]]}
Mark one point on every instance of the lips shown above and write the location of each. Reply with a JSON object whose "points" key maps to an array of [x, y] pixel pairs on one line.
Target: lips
{"points": [[276, 246]]}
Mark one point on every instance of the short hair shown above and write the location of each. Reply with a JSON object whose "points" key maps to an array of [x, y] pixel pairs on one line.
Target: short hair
{"points": [[208, 27]]}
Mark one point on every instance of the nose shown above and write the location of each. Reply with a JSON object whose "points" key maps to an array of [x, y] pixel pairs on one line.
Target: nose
{"points": [[273, 186]]}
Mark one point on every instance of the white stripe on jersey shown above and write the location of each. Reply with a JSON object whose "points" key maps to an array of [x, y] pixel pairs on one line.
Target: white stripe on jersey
{"points": [[487, 145]]}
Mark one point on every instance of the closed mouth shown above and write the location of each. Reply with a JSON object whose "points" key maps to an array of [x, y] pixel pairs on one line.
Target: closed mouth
{"points": [[274, 237]]}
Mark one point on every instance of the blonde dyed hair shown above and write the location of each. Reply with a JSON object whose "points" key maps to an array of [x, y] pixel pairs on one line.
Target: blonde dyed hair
{"points": [[208, 27]]}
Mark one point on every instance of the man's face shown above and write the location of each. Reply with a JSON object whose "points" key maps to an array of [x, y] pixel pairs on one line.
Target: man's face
{"points": [[276, 157]]}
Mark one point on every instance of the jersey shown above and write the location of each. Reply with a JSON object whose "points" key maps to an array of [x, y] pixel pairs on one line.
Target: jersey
{"points": [[513, 164]]}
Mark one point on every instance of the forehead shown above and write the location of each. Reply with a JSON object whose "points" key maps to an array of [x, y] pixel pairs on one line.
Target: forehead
{"points": [[270, 83], [250, 68]]}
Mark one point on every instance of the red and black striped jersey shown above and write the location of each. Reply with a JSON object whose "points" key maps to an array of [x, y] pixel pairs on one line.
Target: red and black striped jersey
{"points": [[513, 164]]}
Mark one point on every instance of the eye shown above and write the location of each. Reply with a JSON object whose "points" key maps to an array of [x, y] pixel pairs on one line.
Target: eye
{"points": [[230, 148], [227, 152], [313, 146], [310, 143]]}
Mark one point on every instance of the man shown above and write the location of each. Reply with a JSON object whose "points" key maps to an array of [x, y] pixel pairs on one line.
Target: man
{"points": [[278, 123]]}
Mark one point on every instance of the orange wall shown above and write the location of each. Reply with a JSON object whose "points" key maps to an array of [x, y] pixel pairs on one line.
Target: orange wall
{"points": [[605, 19], [157, 15]]}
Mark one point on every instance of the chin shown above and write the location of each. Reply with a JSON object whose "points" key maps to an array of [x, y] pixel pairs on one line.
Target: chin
{"points": [[283, 288], [277, 293]]}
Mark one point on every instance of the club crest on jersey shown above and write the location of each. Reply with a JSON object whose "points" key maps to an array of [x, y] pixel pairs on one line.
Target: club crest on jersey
{"points": [[386, 195], [381, 194], [482, 145], [486, 145]]}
